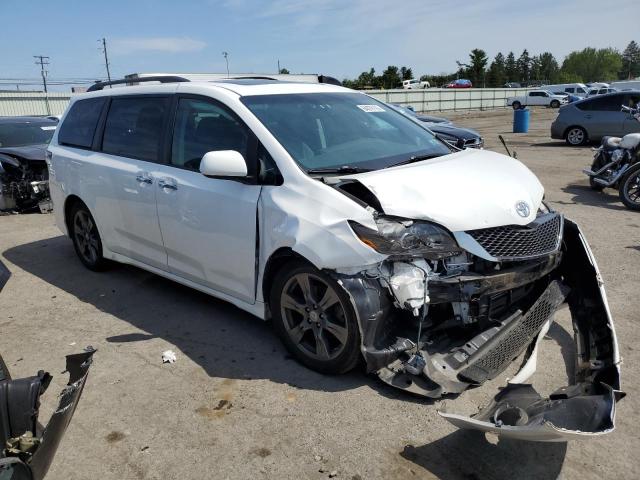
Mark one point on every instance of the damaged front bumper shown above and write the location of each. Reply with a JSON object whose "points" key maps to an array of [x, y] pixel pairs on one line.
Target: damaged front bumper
{"points": [[585, 407]]}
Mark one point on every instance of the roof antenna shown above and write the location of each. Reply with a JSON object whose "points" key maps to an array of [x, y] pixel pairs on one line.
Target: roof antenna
{"points": [[504, 144]]}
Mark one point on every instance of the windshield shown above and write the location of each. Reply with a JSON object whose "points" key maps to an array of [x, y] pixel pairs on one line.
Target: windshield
{"points": [[21, 134], [324, 131]]}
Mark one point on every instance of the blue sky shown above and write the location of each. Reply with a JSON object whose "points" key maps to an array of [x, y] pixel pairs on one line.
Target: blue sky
{"points": [[335, 37]]}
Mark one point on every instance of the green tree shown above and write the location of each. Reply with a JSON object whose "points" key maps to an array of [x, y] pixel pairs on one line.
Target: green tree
{"points": [[524, 66], [630, 61], [284, 71], [511, 68], [391, 77], [477, 66], [406, 73], [592, 65], [548, 67], [497, 75]]}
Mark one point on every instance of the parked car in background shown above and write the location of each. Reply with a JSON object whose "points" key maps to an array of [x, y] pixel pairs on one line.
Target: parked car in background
{"points": [[453, 135], [593, 118], [598, 85], [579, 89], [23, 171], [600, 91], [414, 84], [537, 97], [512, 85], [460, 83]]}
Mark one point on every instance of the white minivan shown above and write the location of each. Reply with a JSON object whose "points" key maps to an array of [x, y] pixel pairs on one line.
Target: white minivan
{"points": [[355, 229]]}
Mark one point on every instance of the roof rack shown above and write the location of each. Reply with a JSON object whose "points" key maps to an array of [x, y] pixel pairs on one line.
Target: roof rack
{"points": [[130, 81]]}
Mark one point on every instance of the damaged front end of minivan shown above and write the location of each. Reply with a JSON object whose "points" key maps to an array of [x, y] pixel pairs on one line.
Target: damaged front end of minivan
{"points": [[448, 311]]}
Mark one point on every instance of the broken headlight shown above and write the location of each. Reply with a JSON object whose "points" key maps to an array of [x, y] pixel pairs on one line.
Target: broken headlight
{"points": [[403, 237]]}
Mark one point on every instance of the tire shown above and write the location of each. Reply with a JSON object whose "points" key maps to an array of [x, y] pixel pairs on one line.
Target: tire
{"points": [[629, 189], [516, 105], [325, 338], [86, 238], [576, 136], [555, 104], [596, 165]]}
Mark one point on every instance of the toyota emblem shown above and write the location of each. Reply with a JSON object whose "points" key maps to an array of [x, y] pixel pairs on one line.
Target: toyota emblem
{"points": [[522, 208]]}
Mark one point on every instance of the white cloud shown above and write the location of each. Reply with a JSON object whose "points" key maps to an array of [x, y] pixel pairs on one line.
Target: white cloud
{"points": [[123, 46]]}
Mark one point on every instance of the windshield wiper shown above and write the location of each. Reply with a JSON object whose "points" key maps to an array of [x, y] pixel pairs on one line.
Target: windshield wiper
{"points": [[416, 158], [342, 169]]}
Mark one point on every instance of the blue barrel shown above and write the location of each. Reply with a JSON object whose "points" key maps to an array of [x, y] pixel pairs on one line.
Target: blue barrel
{"points": [[521, 120]]}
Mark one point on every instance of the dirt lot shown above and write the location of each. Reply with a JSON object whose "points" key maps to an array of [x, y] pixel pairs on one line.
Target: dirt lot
{"points": [[236, 406]]}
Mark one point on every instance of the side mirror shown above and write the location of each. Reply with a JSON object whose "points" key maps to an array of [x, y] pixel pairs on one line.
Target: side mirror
{"points": [[223, 163]]}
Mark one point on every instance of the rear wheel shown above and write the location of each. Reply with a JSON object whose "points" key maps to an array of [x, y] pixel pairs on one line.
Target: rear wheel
{"points": [[314, 317], [516, 105], [629, 189], [576, 136], [86, 238]]}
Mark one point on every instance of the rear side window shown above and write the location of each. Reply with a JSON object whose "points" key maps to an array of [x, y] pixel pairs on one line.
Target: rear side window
{"points": [[609, 103], [570, 90], [134, 127], [80, 124]]}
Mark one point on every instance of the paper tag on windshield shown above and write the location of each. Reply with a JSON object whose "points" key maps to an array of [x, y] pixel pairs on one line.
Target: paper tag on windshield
{"points": [[48, 127], [370, 108]]}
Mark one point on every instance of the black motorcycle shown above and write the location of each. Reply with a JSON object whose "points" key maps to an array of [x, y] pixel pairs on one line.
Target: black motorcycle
{"points": [[616, 164]]}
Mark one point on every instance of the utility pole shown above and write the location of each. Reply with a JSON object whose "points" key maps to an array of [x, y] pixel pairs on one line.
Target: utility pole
{"points": [[106, 58], [42, 61], [278, 66], [226, 59]]}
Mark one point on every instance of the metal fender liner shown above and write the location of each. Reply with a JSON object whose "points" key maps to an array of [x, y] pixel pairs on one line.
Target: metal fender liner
{"points": [[587, 406]]}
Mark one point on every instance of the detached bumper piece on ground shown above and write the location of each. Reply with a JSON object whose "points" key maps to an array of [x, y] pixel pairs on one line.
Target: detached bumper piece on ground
{"points": [[485, 321], [26, 448]]}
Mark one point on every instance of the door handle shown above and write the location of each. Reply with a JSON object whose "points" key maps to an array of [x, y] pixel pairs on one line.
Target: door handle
{"points": [[144, 178], [168, 183]]}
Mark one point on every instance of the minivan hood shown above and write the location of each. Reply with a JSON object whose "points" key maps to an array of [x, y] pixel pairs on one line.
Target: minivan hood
{"points": [[467, 190]]}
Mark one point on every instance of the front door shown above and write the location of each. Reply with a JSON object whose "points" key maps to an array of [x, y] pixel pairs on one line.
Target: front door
{"points": [[208, 224]]}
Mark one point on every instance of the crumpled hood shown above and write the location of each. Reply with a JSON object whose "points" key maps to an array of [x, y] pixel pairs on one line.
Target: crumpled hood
{"points": [[28, 152], [467, 190]]}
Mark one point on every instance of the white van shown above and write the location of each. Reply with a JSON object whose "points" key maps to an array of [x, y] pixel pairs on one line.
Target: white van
{"points": [[333, 215], [577, 89], [414, 84], [626, 85]]}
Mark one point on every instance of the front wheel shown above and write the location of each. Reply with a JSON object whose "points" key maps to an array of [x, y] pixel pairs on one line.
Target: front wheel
{"points": [[629, 189], [314, 317], [555, 104]]}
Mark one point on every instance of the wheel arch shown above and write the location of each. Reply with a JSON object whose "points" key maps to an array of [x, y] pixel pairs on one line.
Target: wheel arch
{"points": [[276, 261], [70, 202]]}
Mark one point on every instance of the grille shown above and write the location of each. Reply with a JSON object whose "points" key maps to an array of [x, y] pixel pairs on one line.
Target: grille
{"points": [[540, 237], [492, 361]]}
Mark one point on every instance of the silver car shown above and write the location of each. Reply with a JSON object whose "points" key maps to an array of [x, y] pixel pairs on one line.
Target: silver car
{"points": [[591, 119]]}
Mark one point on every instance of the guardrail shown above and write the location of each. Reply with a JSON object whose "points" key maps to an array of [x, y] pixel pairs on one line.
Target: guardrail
{"points": [[444, 99], [427, 100]]}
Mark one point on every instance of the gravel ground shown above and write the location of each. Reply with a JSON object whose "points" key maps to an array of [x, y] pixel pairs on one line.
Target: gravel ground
{"points": [[236, 406]]}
